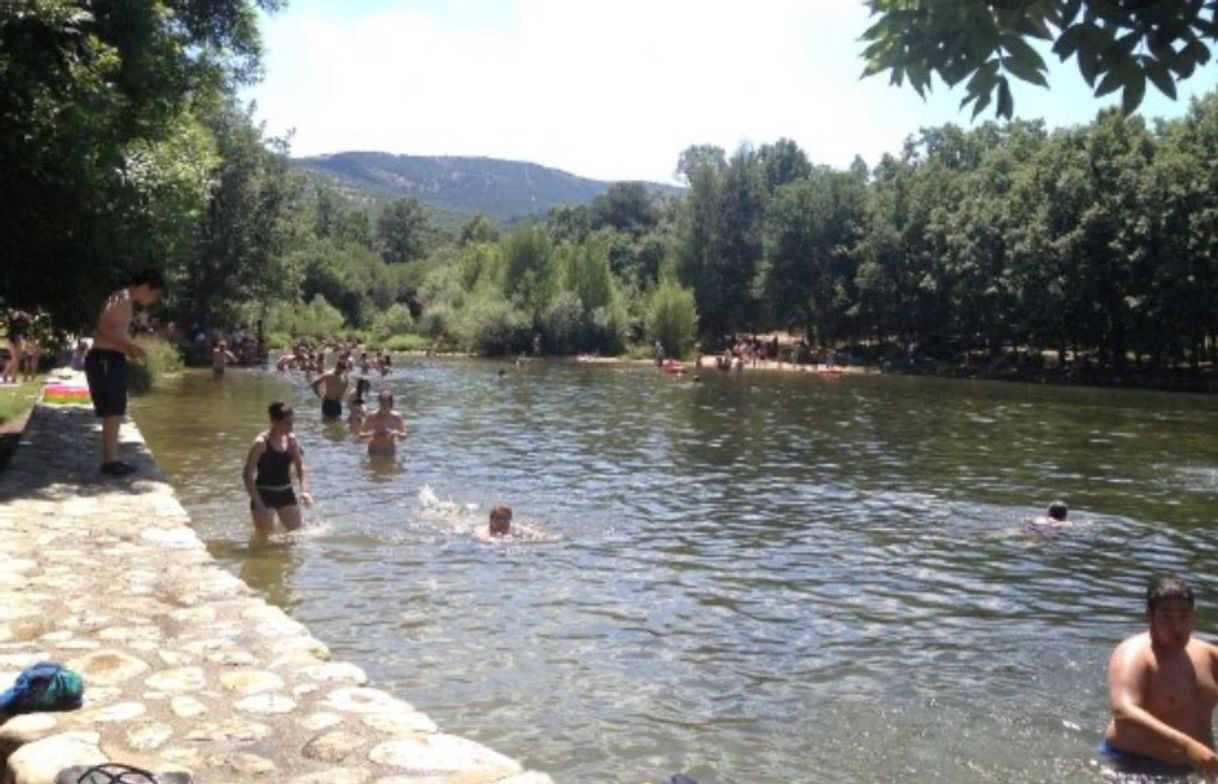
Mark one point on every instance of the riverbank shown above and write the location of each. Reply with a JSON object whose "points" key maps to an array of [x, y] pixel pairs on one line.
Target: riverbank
{"points": [[185, 668]]}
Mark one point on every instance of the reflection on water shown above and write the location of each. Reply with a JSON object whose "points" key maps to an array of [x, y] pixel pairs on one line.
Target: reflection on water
{"points": [[761, 578]]}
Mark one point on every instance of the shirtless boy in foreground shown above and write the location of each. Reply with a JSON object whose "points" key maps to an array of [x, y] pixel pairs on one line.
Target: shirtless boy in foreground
{"points": [[1162, 689]]}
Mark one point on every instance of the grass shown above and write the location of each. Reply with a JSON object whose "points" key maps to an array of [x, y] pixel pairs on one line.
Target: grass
{"points": [[16, 401]]}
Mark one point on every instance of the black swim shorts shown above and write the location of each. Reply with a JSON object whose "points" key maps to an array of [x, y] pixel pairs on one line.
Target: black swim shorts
{"points": [[106, 372], [332, 409], [275, 499]]}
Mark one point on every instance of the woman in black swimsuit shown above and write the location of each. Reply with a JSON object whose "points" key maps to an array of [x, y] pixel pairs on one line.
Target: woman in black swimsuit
{"points": [[268, 477]]}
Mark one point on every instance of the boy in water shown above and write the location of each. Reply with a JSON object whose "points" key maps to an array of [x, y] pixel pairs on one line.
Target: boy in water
{"points": [[501, 521], [1162, 689], [267, 473], [383, 427], [499, 526], [335, 384]]}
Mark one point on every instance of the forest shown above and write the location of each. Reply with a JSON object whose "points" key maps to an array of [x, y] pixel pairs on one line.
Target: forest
{"points": [[123, 145]]}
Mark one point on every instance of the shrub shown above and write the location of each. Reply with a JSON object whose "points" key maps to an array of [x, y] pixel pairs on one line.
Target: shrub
{"points": [[394, 321], [317, 319], [278, 340], [564, 325], [405, 343], [672, 318], [160, 359], [492, 327], [609, 328], [437, 321]]}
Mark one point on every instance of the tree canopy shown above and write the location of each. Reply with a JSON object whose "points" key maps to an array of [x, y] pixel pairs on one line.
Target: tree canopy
{"points": [[1117, 44]]}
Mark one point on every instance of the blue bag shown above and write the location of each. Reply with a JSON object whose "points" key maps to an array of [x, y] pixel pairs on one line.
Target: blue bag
{"points": [[44, 687]]}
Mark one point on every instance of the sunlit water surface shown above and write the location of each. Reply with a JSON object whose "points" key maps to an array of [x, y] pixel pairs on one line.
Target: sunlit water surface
{"points": [[762, 578]]}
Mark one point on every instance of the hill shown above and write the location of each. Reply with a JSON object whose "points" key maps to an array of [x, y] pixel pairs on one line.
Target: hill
{"points": [[457, 188]]}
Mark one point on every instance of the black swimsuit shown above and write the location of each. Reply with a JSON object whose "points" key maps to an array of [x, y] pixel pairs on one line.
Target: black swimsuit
{"points": [[273, 482]]}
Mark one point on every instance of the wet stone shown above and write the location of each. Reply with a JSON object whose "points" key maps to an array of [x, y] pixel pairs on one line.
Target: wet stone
{"points": [[149, 735], [335, 776], [186, 707], [457, 759], [334, 672], [319, 721], [247, 682], [107, 667], [332, 747], [178, 680], [364, 700], [266, 704], [400, 723], [241, 762], [233, 731], [120, 711]]}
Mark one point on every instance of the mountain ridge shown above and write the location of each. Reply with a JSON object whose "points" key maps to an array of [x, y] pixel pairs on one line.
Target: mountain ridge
{"points": [[457, 187]]}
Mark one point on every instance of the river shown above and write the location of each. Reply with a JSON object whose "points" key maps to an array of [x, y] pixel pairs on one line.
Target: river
{"points": [[763, 578]]}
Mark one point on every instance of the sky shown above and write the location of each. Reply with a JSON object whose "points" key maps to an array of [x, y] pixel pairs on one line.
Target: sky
{"points": [[611, 89]]}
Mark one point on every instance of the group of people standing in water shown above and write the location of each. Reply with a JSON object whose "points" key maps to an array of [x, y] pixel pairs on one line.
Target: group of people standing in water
{"points": [[276, 452]]}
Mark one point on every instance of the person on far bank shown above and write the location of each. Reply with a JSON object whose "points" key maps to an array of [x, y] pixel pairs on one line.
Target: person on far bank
{"points": [[334, 383], [106, 362], [268, 473], [1162, 689]]}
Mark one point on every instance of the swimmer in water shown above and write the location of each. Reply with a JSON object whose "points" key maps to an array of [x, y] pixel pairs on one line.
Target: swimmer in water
{"points": [[335, 385], [383, 427], [1052, 522], [499, 527]]}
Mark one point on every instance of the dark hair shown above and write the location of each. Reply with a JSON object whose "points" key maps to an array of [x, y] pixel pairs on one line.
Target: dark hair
{"points": [[150, 277], [279, 411], [1164, 587], [385, 395], [1057, 510]]}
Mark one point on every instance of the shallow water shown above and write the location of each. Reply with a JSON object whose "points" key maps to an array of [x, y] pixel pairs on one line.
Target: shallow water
{"points": [[761, 578]]}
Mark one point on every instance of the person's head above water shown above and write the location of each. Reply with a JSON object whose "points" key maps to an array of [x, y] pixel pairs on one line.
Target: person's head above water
{"points": [[1169, 612], [384, 398], [1057, 511], [1164, 587], [501, 520], [280, 413]]}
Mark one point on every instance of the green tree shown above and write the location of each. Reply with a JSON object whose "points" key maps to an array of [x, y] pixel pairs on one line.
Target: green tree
{"points": [[87, 90], [813, 232], [626, 207], [1116, 45], [530, 275], [402, 229], [672, 318]]}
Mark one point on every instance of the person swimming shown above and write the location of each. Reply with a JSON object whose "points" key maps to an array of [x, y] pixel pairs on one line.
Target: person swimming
{"points": [[1052, 522], [499, 527]]}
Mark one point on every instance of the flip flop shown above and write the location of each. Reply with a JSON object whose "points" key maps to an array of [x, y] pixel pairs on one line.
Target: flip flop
{"points": [[117, 773]]}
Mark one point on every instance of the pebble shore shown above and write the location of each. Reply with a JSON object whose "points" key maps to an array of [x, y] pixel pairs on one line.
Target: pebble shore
{"points": [[185, 667]]}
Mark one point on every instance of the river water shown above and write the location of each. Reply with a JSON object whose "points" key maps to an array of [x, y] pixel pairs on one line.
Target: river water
{"points": [[765, 578]]}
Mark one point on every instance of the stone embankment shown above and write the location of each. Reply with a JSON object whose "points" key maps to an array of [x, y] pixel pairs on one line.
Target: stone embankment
{"points": [[186, 669]]}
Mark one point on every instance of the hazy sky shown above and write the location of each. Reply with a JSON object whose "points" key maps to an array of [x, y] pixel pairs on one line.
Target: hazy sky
{"points": [[609, 89]]}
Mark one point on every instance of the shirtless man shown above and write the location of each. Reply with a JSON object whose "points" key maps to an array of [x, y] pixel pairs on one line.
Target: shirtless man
{"points": [[335, 384], [106, 363], [1162, 688], [221, 357], [267, 473], [383, 427]]}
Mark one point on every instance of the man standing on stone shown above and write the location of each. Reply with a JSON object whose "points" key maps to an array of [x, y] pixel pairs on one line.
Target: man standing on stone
{"points": [[1163, 686], [106, 363]]}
